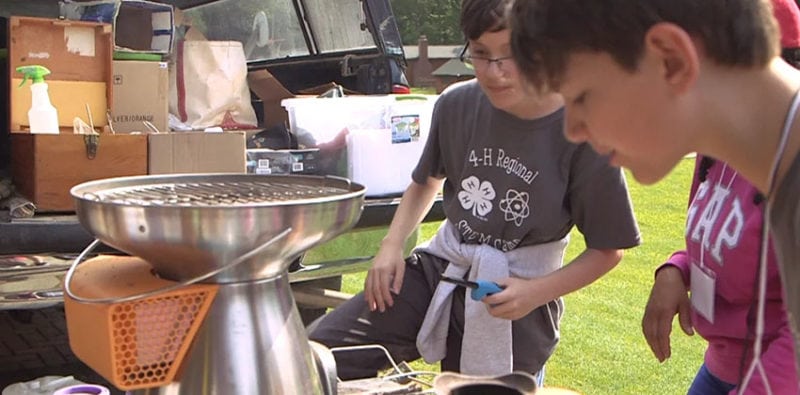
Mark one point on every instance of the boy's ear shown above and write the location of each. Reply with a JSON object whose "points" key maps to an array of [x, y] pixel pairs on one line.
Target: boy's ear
{"points": [[677, 53]]}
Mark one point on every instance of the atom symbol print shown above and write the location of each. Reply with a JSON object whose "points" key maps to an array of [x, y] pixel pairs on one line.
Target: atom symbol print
{"points": [[515, 206]]}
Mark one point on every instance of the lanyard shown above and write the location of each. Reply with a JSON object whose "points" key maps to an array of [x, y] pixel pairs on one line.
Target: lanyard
{"points": [[762, 273]]}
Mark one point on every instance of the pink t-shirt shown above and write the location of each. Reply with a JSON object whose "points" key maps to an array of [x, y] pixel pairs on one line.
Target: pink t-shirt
{"points": [[723, 235]]}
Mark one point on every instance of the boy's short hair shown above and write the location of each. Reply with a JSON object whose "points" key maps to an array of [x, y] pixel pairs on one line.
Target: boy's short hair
{"points": [[481, 16], [545, 32]]}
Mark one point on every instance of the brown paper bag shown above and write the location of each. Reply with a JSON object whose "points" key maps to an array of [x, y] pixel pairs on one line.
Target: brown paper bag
{"points": [[208, 86]]}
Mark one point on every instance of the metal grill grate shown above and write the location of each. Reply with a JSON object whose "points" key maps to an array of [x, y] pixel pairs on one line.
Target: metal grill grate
{"points": [[214, 193]]}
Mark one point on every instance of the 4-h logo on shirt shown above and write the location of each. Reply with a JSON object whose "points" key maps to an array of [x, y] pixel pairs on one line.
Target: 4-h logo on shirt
{"points": [[476, 195]]}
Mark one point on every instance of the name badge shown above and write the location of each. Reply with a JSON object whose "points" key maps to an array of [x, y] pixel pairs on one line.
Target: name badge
{"points": [[703, 282]]}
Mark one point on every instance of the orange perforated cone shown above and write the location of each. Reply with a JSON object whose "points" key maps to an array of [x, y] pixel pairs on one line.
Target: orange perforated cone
{"points": [[136, 344]]}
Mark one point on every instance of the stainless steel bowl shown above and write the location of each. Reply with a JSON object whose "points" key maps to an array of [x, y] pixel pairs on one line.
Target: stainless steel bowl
{"points": [[190, 224]]}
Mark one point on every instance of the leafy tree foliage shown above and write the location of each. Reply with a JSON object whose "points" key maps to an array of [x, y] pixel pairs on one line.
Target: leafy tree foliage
{"points": [[436, 19]]}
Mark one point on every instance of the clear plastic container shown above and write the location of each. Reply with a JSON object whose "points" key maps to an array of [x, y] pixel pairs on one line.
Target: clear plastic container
{"points": [[383, 159], [317, 121], [385, 135]]}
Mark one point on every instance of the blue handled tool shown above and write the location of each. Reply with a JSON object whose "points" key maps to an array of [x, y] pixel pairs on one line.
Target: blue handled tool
{"points": [[480, 288]]}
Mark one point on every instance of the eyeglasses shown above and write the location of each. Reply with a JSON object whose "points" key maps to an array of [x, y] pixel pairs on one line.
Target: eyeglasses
{"points": [[482, 63]]}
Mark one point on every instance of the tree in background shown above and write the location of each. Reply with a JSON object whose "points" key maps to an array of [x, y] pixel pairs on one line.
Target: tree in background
{"points": [[436, 19]]}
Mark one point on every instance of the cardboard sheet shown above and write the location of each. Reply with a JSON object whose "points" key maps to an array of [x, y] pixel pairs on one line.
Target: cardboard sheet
{"points": [[271, 92]]}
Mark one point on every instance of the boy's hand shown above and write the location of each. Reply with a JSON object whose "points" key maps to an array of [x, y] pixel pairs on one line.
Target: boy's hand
{"points": [[667, 298], [384, 277], [516, 300]]}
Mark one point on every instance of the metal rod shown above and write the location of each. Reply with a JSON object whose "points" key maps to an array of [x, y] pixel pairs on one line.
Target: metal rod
{"points": [[144, 295]]}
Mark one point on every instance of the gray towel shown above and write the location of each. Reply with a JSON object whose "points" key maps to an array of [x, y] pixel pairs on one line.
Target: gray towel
{"points": [[486, 348]]}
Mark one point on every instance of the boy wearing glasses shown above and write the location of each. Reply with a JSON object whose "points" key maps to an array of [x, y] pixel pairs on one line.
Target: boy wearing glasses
{"points": [[648, 81], [513, 189]]}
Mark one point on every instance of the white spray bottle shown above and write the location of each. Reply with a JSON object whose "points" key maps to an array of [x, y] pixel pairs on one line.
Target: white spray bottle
{"points": [[42, 117]]}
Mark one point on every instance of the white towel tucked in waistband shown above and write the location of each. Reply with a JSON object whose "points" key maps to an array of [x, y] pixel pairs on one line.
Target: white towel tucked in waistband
{"points": [[486, 348]]}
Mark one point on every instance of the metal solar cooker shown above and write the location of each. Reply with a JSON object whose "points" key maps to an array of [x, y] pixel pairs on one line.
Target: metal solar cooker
{"points": [[191, 227]]}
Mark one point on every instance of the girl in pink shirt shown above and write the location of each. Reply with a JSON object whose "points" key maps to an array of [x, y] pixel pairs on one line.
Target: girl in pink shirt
{"points": [[720, 267]]}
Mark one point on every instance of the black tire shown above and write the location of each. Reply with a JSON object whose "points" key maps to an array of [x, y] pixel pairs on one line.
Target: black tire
{"points": [[34, 343]]}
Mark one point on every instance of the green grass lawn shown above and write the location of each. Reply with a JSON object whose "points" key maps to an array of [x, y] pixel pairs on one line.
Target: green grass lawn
{"points": [[602, 350]]}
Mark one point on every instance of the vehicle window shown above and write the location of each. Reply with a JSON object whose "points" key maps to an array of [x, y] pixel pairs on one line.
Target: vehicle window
{"points": [[337, 25], [268, 29], [271, 29]]}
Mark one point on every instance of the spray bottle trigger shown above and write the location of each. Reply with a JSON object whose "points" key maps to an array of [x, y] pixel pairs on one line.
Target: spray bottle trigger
{"points": [[35, 72]]}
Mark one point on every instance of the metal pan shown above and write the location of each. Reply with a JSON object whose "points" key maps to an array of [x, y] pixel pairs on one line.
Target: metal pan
{"points": [[189, 224]]}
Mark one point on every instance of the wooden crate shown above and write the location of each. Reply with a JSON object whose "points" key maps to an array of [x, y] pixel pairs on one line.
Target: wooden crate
{"points": [[46, 166], [79, 57]]}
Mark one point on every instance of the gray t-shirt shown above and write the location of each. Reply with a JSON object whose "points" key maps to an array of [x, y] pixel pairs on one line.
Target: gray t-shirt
{"points": [[511, 182], [785, 220]]}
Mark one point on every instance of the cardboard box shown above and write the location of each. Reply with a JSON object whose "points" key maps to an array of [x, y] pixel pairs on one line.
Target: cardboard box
{"points": [[141, 93], [139, 25], [271, 92], [197, 152], [267, 161], [46, 166], [78, 55]]}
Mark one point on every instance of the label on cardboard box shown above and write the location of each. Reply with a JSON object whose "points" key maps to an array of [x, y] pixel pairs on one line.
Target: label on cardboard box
{"points": [[141, 93]]}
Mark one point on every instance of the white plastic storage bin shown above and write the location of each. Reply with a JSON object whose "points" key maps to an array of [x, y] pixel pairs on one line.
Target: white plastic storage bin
{"points": [[384, 135], [382, 159], [324, 123], [321, 120]]}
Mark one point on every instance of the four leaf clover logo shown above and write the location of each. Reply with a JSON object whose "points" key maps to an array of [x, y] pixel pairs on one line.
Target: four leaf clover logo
{"points": [[476, 195]]}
